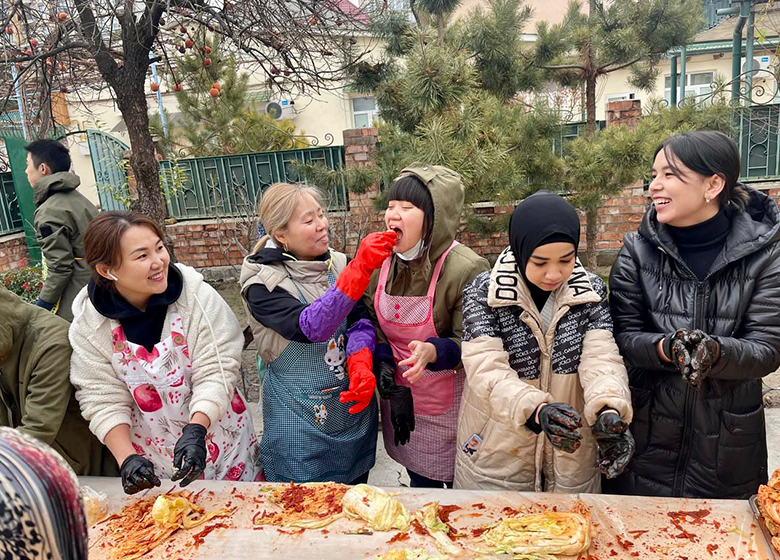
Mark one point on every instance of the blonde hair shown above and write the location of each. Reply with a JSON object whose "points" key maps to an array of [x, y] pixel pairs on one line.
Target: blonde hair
{"points": [[277, 206]]}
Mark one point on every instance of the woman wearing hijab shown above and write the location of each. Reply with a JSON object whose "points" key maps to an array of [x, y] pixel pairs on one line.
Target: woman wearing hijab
{"points": [[540, 358], [416, 297], [695, 297], [41, 511]]}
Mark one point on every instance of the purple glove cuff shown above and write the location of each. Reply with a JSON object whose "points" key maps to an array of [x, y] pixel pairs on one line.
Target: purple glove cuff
{"points": [[447, 354], [321, 319], [361, 335]]}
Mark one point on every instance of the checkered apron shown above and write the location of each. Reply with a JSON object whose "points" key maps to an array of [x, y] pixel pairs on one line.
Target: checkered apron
{"points": [[309, 435], [431, 448]]}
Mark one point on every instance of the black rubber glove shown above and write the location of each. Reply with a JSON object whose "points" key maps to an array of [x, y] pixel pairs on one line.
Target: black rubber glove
{"points": [[615, 443], [703, 357], [401, 402], [693, 353], [138, 474], [560, 422], [189, 455]]}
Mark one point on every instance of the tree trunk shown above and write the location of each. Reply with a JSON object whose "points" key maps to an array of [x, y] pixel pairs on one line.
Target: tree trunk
{"points": [[591, 231], [132, 104], [591, 213], [440, 23], [150, 201]]}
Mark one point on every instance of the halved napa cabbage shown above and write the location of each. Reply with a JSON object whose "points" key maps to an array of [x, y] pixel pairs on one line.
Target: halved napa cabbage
{"points": [[376, 507], [551, 532]]}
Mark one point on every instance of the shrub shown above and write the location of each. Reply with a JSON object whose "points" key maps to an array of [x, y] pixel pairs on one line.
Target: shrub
{"points": [[24, 282]]}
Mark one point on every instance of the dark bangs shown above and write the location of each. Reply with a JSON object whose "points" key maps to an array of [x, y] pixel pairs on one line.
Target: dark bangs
{"points": [[708, 153], [410, 189]]}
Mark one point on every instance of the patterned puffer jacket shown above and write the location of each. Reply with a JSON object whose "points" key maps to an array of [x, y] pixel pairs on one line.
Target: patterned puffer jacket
{"points": [[513, 364]]}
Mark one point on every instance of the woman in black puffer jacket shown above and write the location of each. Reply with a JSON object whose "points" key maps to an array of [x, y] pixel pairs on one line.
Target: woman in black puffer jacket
{"points": [[695, 298]]}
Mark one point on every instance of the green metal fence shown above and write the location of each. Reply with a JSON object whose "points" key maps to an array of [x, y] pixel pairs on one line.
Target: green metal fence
{"points": [[10, 216], [230, 185], [711, 7], [758, 136]]}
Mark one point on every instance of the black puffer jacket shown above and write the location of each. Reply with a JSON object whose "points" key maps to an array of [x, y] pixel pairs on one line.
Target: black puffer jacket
{"points": [[708, 442]]}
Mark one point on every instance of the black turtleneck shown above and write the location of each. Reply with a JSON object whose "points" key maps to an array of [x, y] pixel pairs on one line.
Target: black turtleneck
{"points": [[141, 327], [699, 244]]}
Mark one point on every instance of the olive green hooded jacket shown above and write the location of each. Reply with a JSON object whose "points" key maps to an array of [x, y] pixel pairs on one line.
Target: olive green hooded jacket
{"points": [[36, 396], [61, 218]]}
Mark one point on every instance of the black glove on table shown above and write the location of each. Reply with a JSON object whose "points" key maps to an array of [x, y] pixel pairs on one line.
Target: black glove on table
{"points": [[189, 455], [137, 474]]}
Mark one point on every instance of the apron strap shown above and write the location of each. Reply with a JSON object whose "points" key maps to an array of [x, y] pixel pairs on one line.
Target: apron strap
{"points": [[437, 269], [385, 270]]}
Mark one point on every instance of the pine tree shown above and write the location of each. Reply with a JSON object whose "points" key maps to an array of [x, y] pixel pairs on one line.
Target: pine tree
{"points": [[610, 36], [453, 104], [616, 157], [218, 117]]}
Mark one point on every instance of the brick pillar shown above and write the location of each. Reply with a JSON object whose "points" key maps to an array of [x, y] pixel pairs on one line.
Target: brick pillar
{"points": [[626, 113], [362, 218], [358, 145]]}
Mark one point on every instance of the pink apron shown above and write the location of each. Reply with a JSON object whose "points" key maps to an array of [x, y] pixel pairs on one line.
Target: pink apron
{"points": [[160, 383], [431, 448]]}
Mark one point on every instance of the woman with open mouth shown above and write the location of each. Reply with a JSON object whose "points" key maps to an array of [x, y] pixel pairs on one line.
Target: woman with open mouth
{"points": [[316, 336], [694, 296], [156, 358], [416, 299]]}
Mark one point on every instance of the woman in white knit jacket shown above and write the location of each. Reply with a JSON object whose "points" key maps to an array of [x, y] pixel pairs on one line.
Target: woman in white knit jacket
{"points": [[156, 354]]}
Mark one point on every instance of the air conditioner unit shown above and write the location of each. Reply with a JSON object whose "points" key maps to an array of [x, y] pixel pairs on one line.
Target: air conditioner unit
{"points": [[278, 110], [762, 66]]}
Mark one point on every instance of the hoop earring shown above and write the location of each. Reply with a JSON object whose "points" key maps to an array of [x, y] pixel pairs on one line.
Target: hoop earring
{"points": [[285, 247]]}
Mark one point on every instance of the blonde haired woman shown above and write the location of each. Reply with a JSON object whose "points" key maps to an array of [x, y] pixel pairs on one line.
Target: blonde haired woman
{"points": [[311, 328]]}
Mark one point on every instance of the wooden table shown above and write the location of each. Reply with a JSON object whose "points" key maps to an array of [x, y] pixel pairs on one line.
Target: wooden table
{"points": [[625, 527]]}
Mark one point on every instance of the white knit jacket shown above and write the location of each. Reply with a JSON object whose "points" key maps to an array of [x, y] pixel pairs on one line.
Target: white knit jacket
{"points": [[213, 337]]}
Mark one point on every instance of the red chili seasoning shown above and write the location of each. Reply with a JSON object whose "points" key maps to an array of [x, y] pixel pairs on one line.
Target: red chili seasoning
{"points": [[198, 538], [398, 537], [445, 511]]}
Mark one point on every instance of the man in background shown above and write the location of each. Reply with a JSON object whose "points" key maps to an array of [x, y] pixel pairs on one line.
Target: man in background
{"points": [[60, 220]]}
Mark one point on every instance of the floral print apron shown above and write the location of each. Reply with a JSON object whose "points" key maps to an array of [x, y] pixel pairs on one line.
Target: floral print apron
{"points": [[160, 383]]}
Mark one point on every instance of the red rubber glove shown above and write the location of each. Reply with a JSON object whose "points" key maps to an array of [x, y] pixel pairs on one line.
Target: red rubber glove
{"points": [[361, 380], [371, 253]]}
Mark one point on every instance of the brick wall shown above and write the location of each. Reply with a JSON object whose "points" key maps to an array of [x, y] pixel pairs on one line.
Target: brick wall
{"points": [[13, 252], [626, 113], [618, 216], [208, 243]]}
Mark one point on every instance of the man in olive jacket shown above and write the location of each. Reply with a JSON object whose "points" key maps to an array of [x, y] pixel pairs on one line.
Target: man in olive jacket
{"points": [[36, 396], [60, 220]]}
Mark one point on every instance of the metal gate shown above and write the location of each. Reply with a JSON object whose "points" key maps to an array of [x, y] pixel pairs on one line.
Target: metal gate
{"points": [[17, 158], [110, 169]]}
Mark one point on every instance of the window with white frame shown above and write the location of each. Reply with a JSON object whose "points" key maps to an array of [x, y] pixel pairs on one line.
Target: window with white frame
{"points": [[610, 97], [364, 112], [697, 85]]}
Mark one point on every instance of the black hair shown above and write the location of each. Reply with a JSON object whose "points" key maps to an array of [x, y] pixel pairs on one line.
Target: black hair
{"points": [[51, 152], [411, 189], [708, 153]]}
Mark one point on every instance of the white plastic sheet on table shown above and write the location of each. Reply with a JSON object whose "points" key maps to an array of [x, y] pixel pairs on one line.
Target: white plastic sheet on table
{"points": [[625, 527]]}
